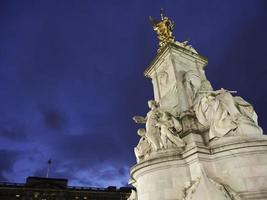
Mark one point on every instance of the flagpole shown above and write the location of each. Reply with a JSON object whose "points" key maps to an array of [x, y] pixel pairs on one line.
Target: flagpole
{"points": [[48, 167]]}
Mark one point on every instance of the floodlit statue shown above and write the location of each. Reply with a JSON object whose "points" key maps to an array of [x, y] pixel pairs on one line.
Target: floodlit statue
{"points": [[163, 29], [196, 143], [169, 129], [151, 120], [161, 132], [225, 115]]}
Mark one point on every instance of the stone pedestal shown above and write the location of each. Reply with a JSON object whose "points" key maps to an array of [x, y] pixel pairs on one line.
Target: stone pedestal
{"points": [[168, 71], [239, 163]]}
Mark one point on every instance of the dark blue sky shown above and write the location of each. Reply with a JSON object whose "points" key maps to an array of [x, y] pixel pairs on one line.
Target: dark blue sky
{"points": [[71, 77]]}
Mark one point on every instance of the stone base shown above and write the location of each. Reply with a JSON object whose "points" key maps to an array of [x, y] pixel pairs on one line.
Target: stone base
{"points": [[238, 162]]}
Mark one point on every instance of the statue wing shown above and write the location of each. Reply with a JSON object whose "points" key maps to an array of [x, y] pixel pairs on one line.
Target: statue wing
{"points": [[153, 21], [139, 119]]}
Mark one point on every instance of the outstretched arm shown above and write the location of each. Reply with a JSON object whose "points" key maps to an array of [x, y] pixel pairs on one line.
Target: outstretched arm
{"points": [[139, 119]]}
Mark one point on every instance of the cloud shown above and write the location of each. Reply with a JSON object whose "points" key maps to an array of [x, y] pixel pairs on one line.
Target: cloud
{"points": [[91, 148], [13, 132], [8, 158], [98, 174], [53, 118], [89, 160], [102, 175]]}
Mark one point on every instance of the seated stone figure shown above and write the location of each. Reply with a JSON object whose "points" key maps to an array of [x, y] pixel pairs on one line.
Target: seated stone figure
{"points": [[248, 120], [169, 129], [143, 147], [224, 114]]}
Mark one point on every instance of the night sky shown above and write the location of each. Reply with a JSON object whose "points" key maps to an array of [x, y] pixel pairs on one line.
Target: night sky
{"points": [[71, 77]]}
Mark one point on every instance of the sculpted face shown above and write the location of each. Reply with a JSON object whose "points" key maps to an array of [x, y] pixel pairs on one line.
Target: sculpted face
{"points": [[141, 132]]}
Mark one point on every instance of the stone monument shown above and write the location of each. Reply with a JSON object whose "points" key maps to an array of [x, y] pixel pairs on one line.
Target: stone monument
{"points": [[197, 143]]}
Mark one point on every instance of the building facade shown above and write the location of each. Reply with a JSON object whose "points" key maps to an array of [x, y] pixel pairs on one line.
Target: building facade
{"points": [[37, 188]]}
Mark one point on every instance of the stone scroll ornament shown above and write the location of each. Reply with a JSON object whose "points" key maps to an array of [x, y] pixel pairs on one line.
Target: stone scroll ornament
{"points": [[161, 132]]}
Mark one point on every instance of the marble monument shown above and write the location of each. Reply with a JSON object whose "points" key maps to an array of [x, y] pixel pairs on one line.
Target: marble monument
{"points": [[196, 142]]}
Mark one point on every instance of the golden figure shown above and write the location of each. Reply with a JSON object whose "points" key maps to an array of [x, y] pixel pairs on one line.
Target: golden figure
{"points": [[163, 29]]}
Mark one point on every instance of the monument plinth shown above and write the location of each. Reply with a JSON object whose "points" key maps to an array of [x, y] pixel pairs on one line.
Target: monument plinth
{"points": [[167, 71], [198, 143]]}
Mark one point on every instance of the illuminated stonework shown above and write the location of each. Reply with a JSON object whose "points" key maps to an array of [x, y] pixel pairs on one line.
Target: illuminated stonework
{"points": [[197, 142]]}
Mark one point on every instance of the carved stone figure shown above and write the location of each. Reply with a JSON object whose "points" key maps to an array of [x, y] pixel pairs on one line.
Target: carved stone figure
{"points": [[151, 120], [169, 129], [163, 29], [224, 114], [192, 83], [143, 147], [245, 108], [161, 132]]}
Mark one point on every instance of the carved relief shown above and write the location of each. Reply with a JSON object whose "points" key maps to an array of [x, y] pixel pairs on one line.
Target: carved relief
{"points": [[165, 76], [163, 79]]}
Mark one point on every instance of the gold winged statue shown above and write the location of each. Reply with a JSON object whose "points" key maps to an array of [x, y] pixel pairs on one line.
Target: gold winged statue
{"points": [[163, 29]]}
